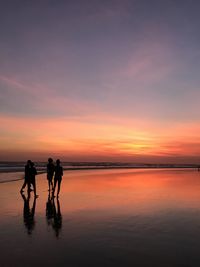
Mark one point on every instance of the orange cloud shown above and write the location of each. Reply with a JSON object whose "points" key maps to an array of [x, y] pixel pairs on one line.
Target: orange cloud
{"points": [[108, 139]]}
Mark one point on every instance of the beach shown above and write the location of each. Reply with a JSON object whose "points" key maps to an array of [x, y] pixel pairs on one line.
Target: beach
{"points": [[139, 217]]}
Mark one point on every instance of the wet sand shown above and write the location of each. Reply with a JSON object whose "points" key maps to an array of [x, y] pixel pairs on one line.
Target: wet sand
{"points": [[104, 218]]}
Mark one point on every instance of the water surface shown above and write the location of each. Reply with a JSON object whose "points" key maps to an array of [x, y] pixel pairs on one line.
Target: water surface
{"points": [[104, 218]]}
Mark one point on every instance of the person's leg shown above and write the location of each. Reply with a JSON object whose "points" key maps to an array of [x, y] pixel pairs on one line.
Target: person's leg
{"points": [[29, 189], [23, 186], [28, 186], [51, 183], [54, 188], [59, 182], [34, 186]]}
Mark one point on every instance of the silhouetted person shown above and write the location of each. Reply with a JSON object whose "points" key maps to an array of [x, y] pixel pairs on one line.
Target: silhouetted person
{"points": [[58, 176], [28, 213], [27, 177], [57, 218], [50, 173], [33, 172]]}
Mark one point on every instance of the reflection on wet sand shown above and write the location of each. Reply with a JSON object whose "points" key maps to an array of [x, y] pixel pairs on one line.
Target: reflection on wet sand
{"points": [[28, 213], [53, 214], [109, 218]]}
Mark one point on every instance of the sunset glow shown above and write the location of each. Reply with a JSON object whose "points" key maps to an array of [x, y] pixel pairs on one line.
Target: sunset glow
{"points": [[108, 82]]}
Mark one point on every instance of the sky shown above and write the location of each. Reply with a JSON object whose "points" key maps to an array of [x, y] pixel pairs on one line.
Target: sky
{"points": [[100, 80]]}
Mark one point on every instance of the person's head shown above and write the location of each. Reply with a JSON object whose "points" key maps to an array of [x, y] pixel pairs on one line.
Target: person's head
{"points": [[32, 164], [50, 160], [29, 162], [58, 162]]}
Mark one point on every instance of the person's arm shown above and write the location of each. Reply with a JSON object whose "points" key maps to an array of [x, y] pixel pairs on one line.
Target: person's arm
{"points": [[26, 171], [47, 169]]}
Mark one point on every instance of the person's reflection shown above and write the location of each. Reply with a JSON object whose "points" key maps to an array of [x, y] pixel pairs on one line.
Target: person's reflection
{"points": [[29, 213], [53, 214], [49, 210], [57, 217]]}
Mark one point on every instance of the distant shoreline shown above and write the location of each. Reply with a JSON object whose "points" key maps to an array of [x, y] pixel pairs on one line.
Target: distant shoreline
{"points": [[105, 168]]}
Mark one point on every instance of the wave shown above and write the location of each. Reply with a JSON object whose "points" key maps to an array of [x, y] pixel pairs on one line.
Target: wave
{"points": [[11, 177], [14, 171], [9, 181], [41, 166]]}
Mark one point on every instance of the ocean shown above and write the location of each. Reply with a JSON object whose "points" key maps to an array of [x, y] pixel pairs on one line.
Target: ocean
{"points": [[15, 170], [109, 217]]}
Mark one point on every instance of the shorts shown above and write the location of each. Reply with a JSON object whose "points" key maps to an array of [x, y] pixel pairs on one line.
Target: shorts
{"points": [[59, 179]]}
